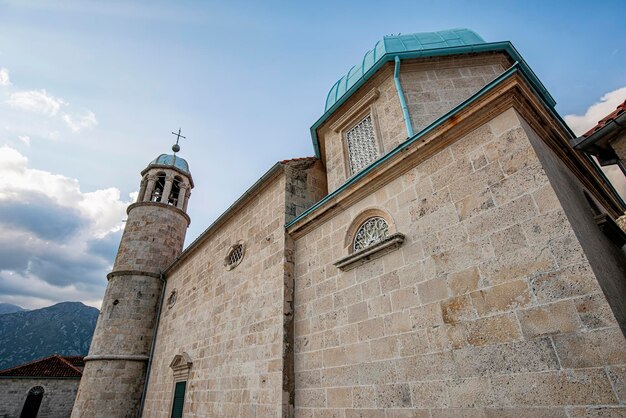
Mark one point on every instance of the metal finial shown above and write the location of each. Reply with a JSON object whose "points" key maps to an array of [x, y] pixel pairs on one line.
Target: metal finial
{"points": [[176, 147]]}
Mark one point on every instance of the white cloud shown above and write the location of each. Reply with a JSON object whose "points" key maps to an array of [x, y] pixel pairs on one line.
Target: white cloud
{"points": [[25, 139], [103, 208], [4, 77], [597, 111], [76, 124], [37, 101], [56, 241]]}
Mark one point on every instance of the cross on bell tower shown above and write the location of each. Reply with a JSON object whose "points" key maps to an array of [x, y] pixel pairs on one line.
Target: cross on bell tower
{"points": [[176, 147]]}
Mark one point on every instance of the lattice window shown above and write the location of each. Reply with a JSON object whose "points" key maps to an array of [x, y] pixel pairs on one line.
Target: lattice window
{"points": [[234, 256], [370, 232], [362, 150]]}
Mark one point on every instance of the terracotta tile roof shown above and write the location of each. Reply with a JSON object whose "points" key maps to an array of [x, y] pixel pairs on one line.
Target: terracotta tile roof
{"points": [[52, 366], [618, 111], [293, 160]]}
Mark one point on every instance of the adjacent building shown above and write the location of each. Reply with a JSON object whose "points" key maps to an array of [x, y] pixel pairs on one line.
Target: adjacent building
{"points": [[44, 388]]}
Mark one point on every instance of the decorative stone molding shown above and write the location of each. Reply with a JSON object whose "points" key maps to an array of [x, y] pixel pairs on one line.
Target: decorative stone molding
{"points": [[387, 245], [355, 110], [116, 357], [372, 212], [181, 366], [161, 205]]}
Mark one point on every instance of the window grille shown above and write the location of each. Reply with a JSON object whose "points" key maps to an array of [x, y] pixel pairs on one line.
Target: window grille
{"points": [[234, 256], [361, 142], [370, 232]]}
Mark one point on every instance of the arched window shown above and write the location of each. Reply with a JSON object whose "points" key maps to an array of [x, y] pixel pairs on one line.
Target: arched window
{"points": [[371, 235], [372, 231], [158, 188], [32, 403]]}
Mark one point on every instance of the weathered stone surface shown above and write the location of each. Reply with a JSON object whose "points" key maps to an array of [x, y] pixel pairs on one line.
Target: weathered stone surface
{"points": [[592, 349], [554, 318]]}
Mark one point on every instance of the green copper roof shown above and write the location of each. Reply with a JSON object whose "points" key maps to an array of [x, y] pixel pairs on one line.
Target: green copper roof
{"points": [[173, 160], [394, 44]]}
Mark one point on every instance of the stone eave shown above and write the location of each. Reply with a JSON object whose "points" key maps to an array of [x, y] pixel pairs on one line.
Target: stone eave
{"points": [[510, 90], [253, 191]]}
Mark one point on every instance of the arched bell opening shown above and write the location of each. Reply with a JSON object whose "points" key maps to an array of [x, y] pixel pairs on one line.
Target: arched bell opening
{"points": [[159, 186]]}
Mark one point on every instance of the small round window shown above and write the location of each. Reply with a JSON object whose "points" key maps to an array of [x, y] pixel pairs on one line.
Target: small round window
{"points": [[372, 231], [234, 256]]}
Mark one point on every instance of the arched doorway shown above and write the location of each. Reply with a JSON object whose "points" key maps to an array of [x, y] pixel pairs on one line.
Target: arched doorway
{"points": [[33, 401]]}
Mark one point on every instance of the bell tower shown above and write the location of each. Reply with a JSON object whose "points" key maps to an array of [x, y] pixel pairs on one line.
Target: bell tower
{"points": [[115, 369]]}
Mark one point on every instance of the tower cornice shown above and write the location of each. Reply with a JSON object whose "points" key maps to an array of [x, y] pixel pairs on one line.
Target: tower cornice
{"points": [[161, 205]]}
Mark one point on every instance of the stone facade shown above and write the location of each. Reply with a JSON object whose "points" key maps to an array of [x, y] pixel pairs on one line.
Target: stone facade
{"points": [[489, 308], [57, 402], [493, 294]]}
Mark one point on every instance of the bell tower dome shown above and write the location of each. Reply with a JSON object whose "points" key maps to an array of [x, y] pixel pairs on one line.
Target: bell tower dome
{"points": [[115, 369]]}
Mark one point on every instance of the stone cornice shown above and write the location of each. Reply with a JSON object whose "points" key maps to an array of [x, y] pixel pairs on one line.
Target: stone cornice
{"points": [[160, 205], [132, 273], [372, 252], [127, 357]]}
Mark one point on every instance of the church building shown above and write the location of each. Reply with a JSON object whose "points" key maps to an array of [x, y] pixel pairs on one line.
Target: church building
{"points": [[451, 250]]}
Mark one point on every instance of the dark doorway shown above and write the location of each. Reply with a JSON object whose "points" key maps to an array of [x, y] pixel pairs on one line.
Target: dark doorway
{"points": [[179, 399], [33, 401]]}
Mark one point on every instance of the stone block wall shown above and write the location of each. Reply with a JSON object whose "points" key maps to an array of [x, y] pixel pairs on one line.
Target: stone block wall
{"points": [[305, 186], [153, 237], [607, 260], [434, 87], [229, 322], [58, 399], [127, 317], [490, 308], [431, 87]]}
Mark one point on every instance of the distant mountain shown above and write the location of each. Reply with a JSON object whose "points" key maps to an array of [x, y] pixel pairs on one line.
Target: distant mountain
{"points": [[65, 328], [10, 308]]}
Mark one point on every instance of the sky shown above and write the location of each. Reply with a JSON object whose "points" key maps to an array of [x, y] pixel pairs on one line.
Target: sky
{"points": [[90, 91]]}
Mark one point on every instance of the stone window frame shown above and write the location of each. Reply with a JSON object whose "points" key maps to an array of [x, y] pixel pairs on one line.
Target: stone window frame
{"points": [[231, 249], [172, 298], [346, 147], [393, 240], [352, 117]]}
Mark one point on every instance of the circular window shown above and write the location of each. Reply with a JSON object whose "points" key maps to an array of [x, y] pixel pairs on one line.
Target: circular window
{"points": [[234, 256], [372, 231]]}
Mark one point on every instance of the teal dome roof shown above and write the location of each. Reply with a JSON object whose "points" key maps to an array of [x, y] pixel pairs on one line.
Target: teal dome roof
{"points": [[171, 160], [394, 44]]}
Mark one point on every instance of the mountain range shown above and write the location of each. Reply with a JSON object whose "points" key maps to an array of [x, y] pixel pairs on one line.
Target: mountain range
{"points": [[65, 328]]}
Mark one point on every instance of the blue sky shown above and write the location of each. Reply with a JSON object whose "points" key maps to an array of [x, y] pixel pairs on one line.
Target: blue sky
{"points": [[93, 89]]}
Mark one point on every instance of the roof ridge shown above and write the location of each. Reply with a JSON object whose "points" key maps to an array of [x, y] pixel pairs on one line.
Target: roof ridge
{"points": [[64, 360], [29, 363]]}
